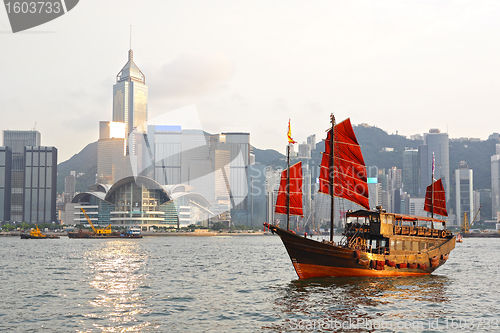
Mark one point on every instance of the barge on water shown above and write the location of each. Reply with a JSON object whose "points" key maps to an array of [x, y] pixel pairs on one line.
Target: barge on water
{"points": [[90, 234]]}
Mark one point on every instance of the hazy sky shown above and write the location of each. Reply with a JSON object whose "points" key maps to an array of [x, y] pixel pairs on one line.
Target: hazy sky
{"points": [[404, 66]]}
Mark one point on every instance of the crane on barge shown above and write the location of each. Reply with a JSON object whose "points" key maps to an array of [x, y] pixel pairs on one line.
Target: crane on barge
{"points": [[97, 231]]}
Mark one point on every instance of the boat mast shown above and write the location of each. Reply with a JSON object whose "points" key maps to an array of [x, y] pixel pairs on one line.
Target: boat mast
{"points": [[288, 187], [432, 191], [331, 172]]}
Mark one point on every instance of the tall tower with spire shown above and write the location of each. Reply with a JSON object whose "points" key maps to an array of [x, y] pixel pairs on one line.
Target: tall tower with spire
{"points": [[130, 111], [130, 96]]}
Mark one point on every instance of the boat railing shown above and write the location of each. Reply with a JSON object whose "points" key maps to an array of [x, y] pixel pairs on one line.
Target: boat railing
{"points": [[405, 230], [420, 231]]}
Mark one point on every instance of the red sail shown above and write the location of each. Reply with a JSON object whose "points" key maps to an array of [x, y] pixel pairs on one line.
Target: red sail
{"points": [[295, 191], [349, 180], [439, 199]]}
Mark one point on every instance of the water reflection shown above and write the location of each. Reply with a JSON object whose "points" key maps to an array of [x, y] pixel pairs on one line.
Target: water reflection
{"points": [[370, 299], [117, 269]]}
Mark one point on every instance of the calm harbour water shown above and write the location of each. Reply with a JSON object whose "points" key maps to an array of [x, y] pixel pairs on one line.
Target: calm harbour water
{"points": [[239, 283]]}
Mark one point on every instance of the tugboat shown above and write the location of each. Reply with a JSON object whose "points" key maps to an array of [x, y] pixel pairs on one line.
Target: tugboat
{"points": [[375, 243], [37, 234]]}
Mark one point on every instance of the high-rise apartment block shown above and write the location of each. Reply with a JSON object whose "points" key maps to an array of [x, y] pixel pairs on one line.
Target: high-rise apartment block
{"points": [[304, 150], [70, 183], [311, 141], [394, 179], [69, 187]]}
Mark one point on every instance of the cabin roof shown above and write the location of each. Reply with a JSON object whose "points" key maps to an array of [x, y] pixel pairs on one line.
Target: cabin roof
{"points": [[367, 213], [362, 213]]}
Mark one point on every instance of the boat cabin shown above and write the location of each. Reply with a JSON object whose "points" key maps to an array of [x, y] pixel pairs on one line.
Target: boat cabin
{"points": [[390, 233]]}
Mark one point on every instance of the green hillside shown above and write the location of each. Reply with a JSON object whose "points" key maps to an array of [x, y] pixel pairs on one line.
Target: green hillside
{"points": [[478, 158], [374, 139], [268, 156], [85, 165]]}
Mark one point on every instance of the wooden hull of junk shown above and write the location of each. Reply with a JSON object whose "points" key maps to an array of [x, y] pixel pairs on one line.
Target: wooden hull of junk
{"points": [[88, 234], [314, 259]]}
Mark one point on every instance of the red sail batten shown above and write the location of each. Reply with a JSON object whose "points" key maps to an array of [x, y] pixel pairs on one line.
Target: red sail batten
{"points": [[349, 171], [295, 191], [439, 203]]}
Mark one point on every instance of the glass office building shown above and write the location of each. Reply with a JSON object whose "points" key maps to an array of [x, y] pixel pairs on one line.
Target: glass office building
{"points": [[40, 185], [5, 182], [130, 96], [17, 140]]}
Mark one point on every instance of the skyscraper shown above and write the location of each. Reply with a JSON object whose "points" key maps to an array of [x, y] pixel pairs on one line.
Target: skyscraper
{"points": [[240, 159], [69, 187], [40, 188], [464, 192], [130, 96], [5, 182], [394, 178], [33, 178], [411, 172], [166, 143], [112, 164], [435, 143], [17, 140], [130, 111], [311, 141], [495, 184]]}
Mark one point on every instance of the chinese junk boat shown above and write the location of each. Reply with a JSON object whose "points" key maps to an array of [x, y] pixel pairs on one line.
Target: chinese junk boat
{"points": [[375, 243]]}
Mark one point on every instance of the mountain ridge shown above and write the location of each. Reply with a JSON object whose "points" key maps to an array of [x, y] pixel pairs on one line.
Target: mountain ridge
{"points": [[372, 139]]}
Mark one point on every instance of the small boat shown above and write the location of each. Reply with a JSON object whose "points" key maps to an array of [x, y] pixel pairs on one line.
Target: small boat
{"points": [[459, 238], [37, 234], [374, 243], [134, 232]]}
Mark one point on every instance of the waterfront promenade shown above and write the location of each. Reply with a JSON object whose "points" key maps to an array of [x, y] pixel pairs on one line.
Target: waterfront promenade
{"points": [[164, 234]]}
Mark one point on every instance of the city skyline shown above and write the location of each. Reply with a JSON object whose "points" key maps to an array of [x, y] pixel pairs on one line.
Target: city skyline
{"points": [[248, 67]]}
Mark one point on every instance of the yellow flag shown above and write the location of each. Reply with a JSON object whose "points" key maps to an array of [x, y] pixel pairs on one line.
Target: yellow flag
{"points": [[290, 140]]}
